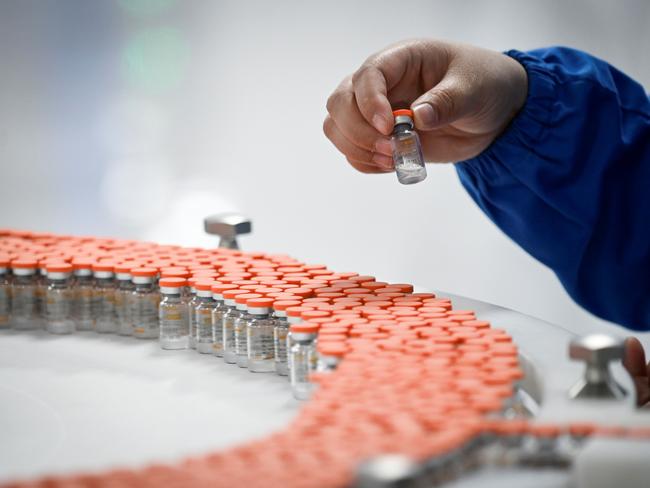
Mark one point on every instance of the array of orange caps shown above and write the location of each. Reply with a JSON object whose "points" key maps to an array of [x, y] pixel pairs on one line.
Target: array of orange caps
{"points": [[417, 377]]}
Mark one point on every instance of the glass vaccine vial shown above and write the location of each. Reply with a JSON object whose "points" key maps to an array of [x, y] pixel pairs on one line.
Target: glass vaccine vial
{"points": [[241, 326], [230, 315], [173, 313], [179, 272], [407, 151], [144, 301], [259, 336], [192, 300], [218, 311], [293, 317], [280, 332], [203, 305], [330, 354], [302, 352], [83, 295], [104, 298], [24, 307], [41, 288], [5, 293], [123, 292], [59, 299]]}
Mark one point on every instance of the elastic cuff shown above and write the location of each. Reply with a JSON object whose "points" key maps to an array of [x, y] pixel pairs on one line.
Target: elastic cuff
{"points": [[529, 128]]}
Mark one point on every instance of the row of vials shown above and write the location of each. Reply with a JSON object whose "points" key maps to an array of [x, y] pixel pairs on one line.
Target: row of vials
{"points": [[239, 322]]}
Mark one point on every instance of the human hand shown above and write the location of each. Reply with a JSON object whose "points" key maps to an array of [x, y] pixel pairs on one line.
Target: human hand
{"points": [[462, 97], [634, 362]]}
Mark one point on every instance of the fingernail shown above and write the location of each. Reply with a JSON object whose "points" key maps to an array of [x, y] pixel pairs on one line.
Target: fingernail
{"points": [[424, 115], [381, 124], [382, 161], [383, 146]]}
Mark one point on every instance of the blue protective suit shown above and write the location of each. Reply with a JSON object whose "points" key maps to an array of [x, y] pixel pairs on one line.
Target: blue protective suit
{"points": [[569, 181]]}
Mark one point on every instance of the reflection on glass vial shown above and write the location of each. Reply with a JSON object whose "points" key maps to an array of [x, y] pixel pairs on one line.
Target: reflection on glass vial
{"points": [[407, 152], [229, 350], [281, 334], [104, 298], [259, 335], [40, 290], [302, 354], [24, 309], [144, 301], [58, 299], [123, 293], [241, 328], [203, 305], [230, 315], [218, 311], [83, 295], [293, 317], [192, 300], [280, 331], [173, 314], [5, 293]]}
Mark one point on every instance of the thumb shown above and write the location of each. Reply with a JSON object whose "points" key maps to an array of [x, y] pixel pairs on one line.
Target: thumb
{"points": [[448, 101]]}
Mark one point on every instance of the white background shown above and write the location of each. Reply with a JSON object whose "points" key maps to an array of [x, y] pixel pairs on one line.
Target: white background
{"points": [[137, 118]]}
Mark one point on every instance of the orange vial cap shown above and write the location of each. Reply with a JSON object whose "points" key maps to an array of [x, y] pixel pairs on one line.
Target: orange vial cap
{"points": [[404, 112], [304, 328], [144, 271], [173, 282]]}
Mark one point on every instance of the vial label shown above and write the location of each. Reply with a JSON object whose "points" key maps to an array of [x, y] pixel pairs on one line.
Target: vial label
{"points": [[39, 298], [280, 343], [301, 366], [123, 311], [313, 362], [192, 305], [24, 313], [105, 317], [83, 308], [57, 311], [4, 306], [217, 348], [239, 332], [57, 305], [104, 301], [410, 161], [217, 332], [145, 317], [229, 352], [407, 157], [173, 323], [203, 325], [300, 361], [260, 343], [241, 342], [119, 302]]}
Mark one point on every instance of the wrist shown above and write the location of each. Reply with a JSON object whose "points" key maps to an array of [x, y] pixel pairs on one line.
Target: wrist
{"points": [[517, 86]]}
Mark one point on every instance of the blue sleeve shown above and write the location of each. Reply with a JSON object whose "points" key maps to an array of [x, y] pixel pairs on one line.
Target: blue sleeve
{"points": [[569, 181]]}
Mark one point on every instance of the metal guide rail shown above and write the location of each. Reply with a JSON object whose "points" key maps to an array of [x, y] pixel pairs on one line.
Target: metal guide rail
{"points": [[401, 388]]}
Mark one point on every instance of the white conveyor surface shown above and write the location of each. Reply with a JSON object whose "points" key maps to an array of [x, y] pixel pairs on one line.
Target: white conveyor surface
{"points": [[88, 402]]}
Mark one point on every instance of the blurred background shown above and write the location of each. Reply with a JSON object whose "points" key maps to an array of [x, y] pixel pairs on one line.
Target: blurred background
{"points": [[137, 118]]}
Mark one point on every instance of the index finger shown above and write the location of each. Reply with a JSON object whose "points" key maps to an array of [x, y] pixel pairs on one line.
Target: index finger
{"points": [[371, 94], [634, 358]]}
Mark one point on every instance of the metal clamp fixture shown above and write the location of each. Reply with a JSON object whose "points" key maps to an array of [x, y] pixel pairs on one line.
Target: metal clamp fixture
{"points": [[227, 226], [597, 351]]}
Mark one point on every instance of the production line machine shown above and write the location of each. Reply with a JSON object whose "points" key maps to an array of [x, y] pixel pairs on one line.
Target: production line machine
{"points": [[474, 395]]}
